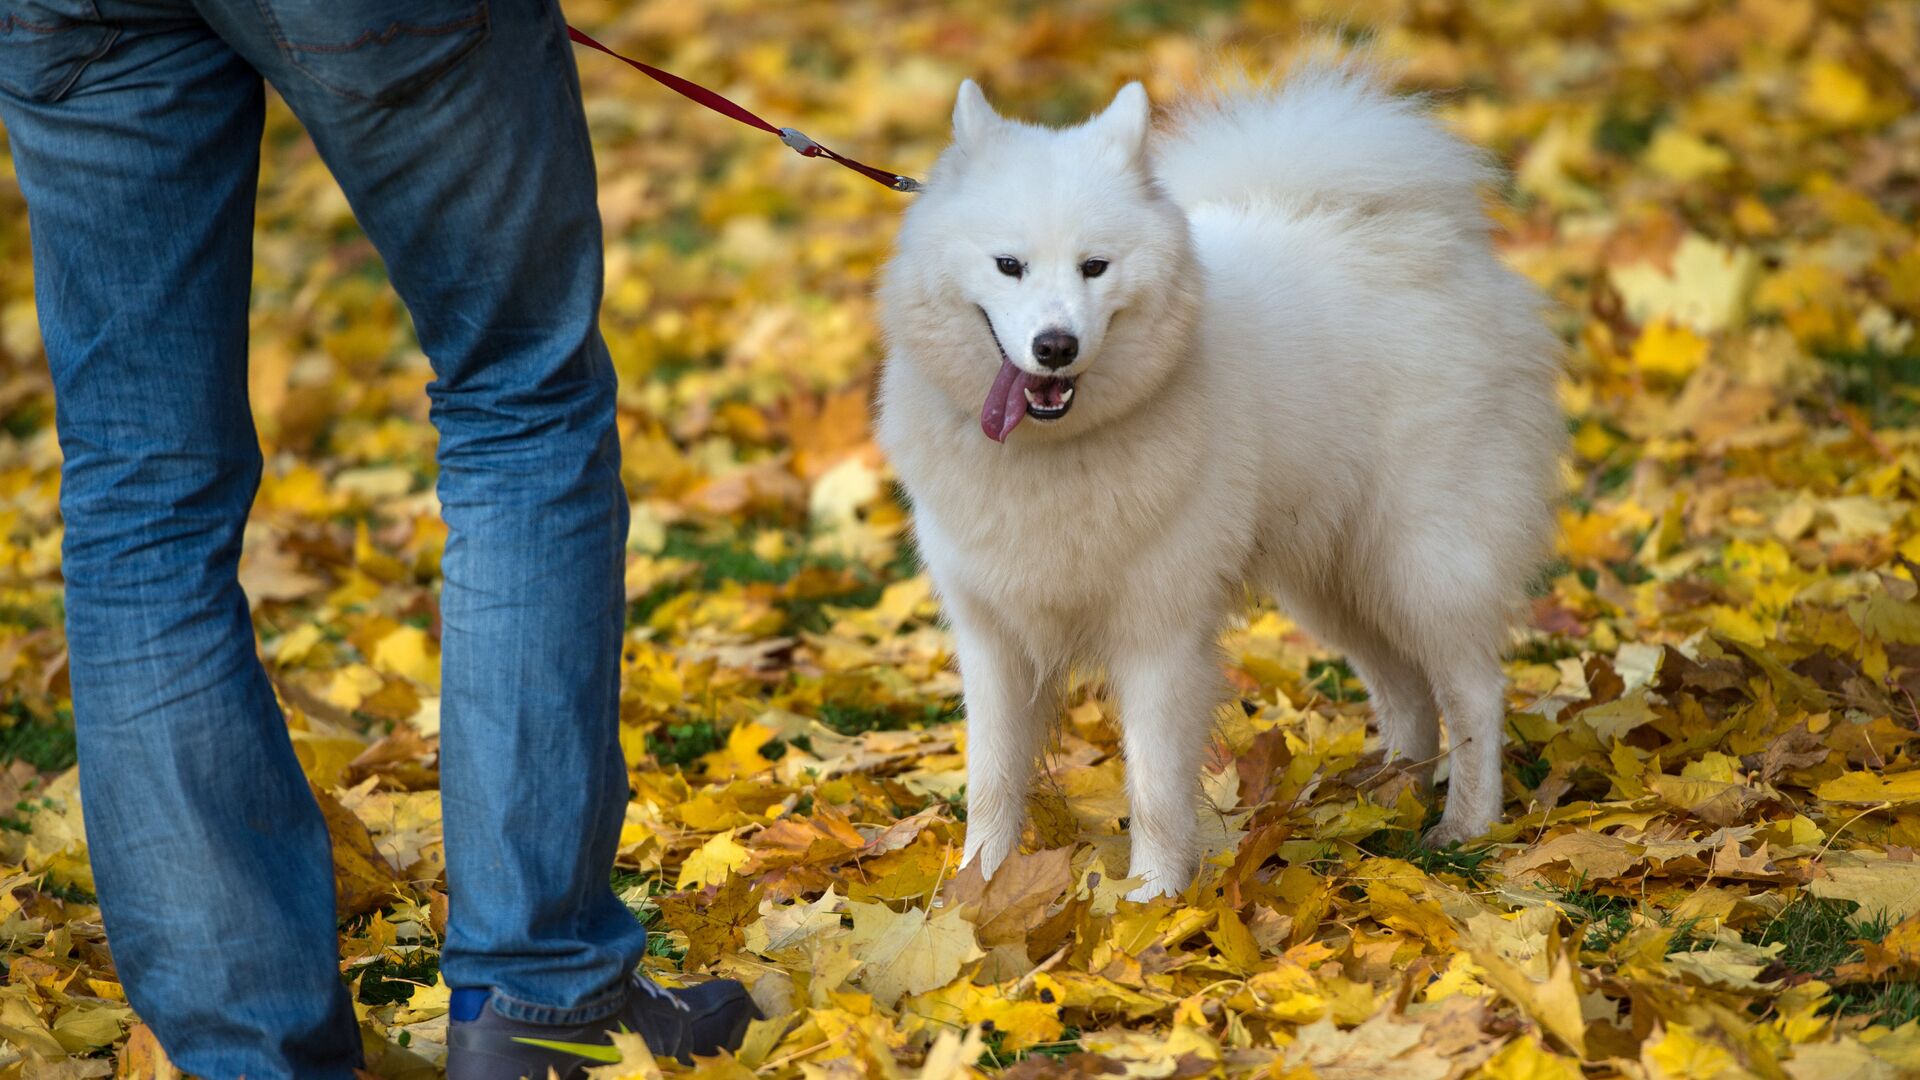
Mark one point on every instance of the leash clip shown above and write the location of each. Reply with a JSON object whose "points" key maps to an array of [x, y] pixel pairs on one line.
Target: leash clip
{"points": [[907, 184], [798, 141]]}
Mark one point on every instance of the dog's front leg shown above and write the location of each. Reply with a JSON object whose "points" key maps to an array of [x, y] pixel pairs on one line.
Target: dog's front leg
{"points": [[1167, 697], [1007, 716]]}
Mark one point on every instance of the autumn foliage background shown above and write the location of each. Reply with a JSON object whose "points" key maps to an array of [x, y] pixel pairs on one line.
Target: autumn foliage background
{"points": [[1713, 797]]}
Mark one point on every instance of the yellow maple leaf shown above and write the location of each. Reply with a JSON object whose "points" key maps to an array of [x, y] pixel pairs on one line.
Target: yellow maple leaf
{"points": [[1554, 1003], [409, 653], [1896, 789], [741, 756], [1680, 155], [1525, 1059], [1835, 93], [908, 952], [1679, 1054], [1668, 351], [1705, 288], [716, 860]]}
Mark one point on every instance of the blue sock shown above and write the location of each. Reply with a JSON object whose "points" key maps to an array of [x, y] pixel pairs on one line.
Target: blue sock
{"points": [[467, 1001]]}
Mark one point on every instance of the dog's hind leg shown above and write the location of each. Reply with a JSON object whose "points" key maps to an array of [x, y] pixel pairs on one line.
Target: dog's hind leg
{"points": [[1403, 704], [1404, 707], [1009, 708], [1167, 696], [1472, 692]]}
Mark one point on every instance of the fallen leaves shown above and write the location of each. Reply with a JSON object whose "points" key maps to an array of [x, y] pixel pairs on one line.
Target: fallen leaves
{"points": [[1713, 786], [909, 952]]}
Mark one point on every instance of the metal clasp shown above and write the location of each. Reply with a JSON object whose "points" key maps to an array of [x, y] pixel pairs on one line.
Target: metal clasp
{"points": [[801, 145]]}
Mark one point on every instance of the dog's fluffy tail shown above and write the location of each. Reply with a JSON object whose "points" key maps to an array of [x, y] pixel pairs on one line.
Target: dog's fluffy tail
{"points": [[1329, 133]]}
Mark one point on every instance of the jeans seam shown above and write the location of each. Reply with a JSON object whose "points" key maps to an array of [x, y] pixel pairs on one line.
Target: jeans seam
{"points": [[49, 30], [599, 1007], [293, 50], [392, 31], [11, 22]]}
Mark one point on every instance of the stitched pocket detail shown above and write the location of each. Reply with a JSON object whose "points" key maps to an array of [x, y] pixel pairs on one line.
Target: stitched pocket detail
{"points": [[383, 53], [46, 44]]}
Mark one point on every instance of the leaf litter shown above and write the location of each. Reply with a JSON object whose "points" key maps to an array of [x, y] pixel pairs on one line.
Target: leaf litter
{"points": [[1713, 799]]}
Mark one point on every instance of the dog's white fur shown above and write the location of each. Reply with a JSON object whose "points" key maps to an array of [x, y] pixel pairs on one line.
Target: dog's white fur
{"points": [[1304, 371]]}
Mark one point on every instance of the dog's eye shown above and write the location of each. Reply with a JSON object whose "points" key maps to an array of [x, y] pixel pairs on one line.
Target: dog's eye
{"points": [[1009, 266], [1093, 268]]}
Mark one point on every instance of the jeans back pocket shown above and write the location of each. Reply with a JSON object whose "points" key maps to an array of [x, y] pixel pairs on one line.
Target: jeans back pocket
{"points": [[46, 44], [379, 51]]}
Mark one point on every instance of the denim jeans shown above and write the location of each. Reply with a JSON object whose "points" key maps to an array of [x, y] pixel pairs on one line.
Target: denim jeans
{"points": [[455, 128]]}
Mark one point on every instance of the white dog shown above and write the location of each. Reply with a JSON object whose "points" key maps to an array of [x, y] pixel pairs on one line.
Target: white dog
{"points": [[1131, 373]]}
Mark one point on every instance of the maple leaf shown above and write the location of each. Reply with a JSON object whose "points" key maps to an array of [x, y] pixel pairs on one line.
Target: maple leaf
{"points": [[1014, 902], [716, 861], [1711, 708], [1382, 1048], [910, 951], [714, 924]]}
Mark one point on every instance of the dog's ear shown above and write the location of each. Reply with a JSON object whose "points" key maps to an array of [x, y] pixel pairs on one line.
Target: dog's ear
{"points": [[972, 116], [1125, 121]]}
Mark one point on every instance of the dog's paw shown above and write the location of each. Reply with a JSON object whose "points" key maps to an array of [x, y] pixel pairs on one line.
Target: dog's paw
{"points": [[1448, 833], [986, 853], [1151, 890]]}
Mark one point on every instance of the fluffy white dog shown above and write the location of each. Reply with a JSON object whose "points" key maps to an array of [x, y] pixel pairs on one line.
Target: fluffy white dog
{"points": [[1131, 373]]}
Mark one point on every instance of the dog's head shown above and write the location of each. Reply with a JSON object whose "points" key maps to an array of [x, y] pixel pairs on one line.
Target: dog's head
{"points": [[1042, 274]]}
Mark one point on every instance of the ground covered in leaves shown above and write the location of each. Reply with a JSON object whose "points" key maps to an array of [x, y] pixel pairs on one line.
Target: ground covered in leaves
{"points": [[1712, 789]]}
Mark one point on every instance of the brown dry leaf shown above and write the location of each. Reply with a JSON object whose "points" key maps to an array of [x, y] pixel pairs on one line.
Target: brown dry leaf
{"points": [[362, 878], [1383, 1048], [1711, 716], [1016, 899], [142, 1058]]}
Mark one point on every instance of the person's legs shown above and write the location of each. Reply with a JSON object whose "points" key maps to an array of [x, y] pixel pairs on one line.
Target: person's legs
{"points": [[136, 142], [455, 128]]}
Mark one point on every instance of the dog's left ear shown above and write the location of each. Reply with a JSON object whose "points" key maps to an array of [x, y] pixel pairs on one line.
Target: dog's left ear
{"points": [[1125, 121]]}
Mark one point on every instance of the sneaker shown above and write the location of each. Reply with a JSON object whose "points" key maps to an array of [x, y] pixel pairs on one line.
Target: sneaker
{"points": [[703, 1019]]}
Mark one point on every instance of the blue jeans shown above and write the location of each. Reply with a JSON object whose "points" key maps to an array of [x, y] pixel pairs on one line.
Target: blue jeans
{"points": [[455, 128]]}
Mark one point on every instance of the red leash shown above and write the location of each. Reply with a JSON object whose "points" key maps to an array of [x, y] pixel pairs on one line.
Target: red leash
{"points": [[802, 145]]}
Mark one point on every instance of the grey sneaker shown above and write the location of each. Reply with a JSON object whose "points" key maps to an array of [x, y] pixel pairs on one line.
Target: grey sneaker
{"points": [[703, 1019]]}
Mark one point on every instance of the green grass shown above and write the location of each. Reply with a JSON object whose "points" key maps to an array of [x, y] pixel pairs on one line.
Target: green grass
{"points": [[47, 745], [392, 980], [1532, 771], [997, 1056], [858, 719], [658, 942], [27, 418], [1334, 679], [680, 745], [1873, 379], [1626, 135], [1602, 919], [1404, 844], [724, 559], [622, 880], [1816, 936], [683, 744], [648, 912], [72, 894]]}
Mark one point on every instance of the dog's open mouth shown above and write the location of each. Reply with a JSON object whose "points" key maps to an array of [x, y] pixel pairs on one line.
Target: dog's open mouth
{"points": [[1017, 393], [1049, 399]]}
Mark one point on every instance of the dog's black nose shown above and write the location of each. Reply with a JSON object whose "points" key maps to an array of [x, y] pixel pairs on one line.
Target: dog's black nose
{"points": [[1055, 348]]}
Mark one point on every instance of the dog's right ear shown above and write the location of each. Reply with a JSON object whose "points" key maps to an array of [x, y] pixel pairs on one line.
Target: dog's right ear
{"points": [[972, 116]]}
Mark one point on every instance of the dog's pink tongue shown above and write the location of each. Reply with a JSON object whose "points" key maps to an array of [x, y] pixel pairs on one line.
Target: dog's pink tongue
{"points": [[1006, 402]]}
